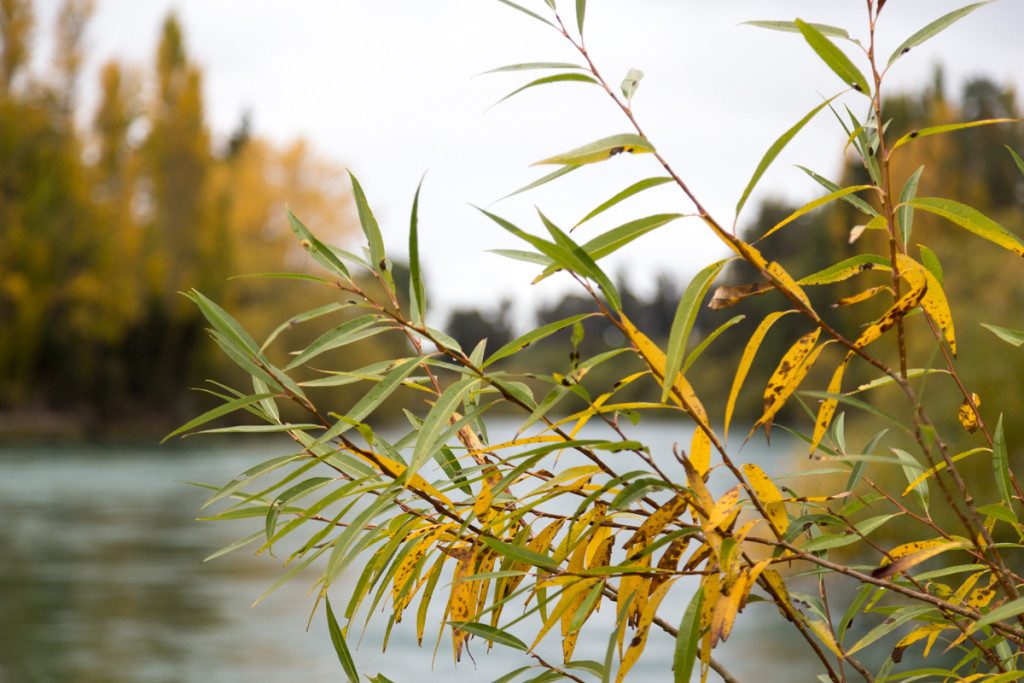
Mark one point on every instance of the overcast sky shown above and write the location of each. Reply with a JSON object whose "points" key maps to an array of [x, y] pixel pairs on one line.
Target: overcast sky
{"points": [[387, 89]]}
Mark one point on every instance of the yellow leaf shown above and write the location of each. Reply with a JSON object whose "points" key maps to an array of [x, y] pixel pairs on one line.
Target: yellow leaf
{"points": [[904, 305], [639, 586], [724, 508], [746, 360], [911, 554], [934, 301], [482, 506], [636, 646], [700, 452], [657, 521], [462, 603], [770, 498], [669, 561], [828, 406], [861, 296], [792, 369], [682, 394], [569, 638], [396, 470], [825, 635], [968, 418], [565, 601], [780, 592]]}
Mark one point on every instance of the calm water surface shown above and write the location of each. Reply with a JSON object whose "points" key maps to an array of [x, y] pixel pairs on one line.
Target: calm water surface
{"points": [[101, 579]]}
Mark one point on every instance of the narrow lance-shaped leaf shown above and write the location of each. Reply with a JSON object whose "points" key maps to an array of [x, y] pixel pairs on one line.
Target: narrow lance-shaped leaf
{"points": [[344, 656], [417, 292], [527, 66], [534, 335], [1009, 336], [851, 199], [1016, 159], [905, 214], [828, 406], [935, 130], [835, 58], [1001, 462], [527, 12], [581, 10], [933, 28], [557, 78], [602, 149], [790, 372], [973, 220], [633, 189], [791, 27], [686, 315], [219, 411], [370, 227], [774, 151], [687, 639], [746, 360], [320, 252], [581, 262], [810, 206]]}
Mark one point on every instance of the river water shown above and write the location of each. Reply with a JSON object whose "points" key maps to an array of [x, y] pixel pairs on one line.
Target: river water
{"points": [[102, 579]]}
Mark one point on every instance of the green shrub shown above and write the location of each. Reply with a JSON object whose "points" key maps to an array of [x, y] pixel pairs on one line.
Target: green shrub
{"points": [[512, 526]]}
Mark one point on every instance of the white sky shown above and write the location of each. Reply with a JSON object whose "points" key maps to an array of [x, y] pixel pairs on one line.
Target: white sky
{"points": [[386, 89]]}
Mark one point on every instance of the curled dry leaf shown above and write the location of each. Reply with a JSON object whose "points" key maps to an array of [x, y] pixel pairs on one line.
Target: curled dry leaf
{"points": [[726, 296]]}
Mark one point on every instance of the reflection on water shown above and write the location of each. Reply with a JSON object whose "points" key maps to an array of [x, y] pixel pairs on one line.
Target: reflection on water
{"points": [[101, 580]]}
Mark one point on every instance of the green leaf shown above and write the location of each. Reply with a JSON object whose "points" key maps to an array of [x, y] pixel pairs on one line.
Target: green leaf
{"points": [[610, 241], [417, 292], [775, 149], [250, 475], [526, 256], [905, 214], [296, 492], [894, 621], [1016, 159], [682, 323], [527, 12], [1001, 464], [431, 433], [633, 189], [973, 220], [581, 10], [378, 260], [835, 58], [214, 413], [518, 554], [699, 349], [1010, 609], [527, 66], [630, 83], [235, 545], [912, 469], [935, 130], [812, 205], [534, 335], [302, 317], [557, 78], [374, 397], [602, 149], [344, 656], [347, 333], [228, 327], [688, 639], [931, 262], [490, 633], [581, 262], [320, 252], [846, 269], [852, 199], [1010, 336], [791, 27], [564, 170], [931, 29]]}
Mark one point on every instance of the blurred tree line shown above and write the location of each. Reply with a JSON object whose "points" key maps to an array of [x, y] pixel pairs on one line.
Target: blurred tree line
{"points": [[106, 215]]}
